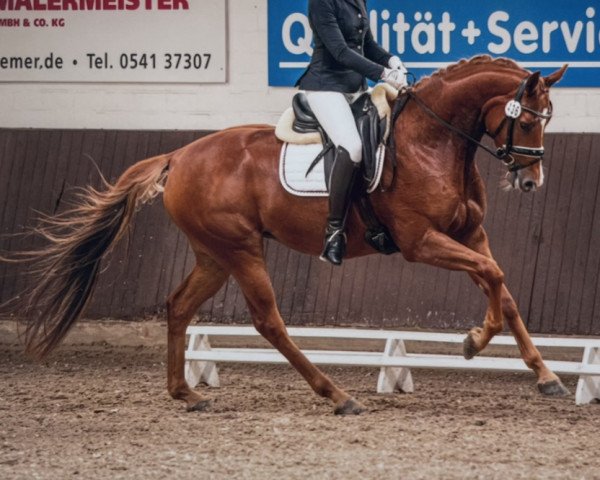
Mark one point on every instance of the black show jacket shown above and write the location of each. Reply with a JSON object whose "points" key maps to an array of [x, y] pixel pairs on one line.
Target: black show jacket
{"points": [[345, 51]]}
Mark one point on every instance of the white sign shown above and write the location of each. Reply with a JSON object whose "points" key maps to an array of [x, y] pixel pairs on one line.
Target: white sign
{"points": [[157, 41]]}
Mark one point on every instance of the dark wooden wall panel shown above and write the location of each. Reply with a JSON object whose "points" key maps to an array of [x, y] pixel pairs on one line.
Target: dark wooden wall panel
{"points": [[546, 243]]}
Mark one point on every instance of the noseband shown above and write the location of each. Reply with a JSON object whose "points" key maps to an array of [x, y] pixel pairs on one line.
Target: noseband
{"points": [[512, 111]]}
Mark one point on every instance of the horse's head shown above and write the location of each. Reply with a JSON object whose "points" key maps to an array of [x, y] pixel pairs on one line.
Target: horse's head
{"points": [[517, 122]]}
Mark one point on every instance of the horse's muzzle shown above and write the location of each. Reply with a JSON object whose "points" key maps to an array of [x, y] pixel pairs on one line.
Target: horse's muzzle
{"points": [[528, 185]]}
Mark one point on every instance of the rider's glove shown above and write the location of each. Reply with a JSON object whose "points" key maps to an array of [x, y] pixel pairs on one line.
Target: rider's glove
{"points": [[396, 64], [396, 78]]}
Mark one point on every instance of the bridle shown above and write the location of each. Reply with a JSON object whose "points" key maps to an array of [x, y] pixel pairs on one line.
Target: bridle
{"points": [[512, 111]]}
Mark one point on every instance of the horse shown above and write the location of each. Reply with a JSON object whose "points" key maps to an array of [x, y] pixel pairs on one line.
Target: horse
{"points": [[223, 192]]}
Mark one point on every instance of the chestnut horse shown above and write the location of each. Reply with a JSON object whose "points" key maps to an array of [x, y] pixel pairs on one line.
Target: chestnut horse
{"points": [[223, 192]]}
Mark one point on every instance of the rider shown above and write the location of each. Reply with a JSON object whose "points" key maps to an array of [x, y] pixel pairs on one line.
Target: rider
{"points": [[345, 55]]}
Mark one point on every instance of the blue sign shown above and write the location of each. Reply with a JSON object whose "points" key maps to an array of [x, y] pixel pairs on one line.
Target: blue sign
{"points": [[431, 34]]}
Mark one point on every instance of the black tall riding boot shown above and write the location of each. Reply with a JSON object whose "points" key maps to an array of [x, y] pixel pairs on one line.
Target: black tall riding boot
{"points": [[341, 184]]}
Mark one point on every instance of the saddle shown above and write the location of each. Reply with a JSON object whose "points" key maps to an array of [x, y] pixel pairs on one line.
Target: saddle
{"points": [[373, 120], [371, 127]]}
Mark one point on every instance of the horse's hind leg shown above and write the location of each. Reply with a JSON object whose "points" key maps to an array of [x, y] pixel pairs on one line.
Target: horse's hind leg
{"points": [[201, 284], [250, 271]]}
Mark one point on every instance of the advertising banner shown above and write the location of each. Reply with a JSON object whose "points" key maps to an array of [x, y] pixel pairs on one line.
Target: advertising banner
{"points": [[430, 34], [181, 41]]}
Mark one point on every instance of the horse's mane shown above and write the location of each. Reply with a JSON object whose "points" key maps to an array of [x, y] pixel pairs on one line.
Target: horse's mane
{"points": [[467, 65], [502, 63]]}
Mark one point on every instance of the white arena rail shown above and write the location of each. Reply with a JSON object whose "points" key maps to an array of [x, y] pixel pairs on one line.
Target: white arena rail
{"points": [[394, 362]]}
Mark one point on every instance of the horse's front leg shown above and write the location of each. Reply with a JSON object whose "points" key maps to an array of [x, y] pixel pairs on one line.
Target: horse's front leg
{"points": [[436, 248], [547, 381]]}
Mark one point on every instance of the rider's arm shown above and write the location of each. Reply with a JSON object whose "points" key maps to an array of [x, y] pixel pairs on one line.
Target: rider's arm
{"points": [[374, 52], [325, 23]]}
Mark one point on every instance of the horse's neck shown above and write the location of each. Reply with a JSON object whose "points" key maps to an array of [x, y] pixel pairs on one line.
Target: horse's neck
{"points": [[460, 102], [462, 98]]}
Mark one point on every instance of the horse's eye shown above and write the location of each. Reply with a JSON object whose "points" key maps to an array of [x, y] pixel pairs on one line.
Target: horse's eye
{"points": [[526, 126]]}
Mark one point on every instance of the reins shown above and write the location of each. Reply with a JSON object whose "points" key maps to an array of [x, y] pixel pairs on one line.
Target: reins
{"points": [[449, 126], [513, 111]]}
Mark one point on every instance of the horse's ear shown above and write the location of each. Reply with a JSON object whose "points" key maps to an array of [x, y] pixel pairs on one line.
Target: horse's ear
{"points": [[532, 82], [556, 76]]}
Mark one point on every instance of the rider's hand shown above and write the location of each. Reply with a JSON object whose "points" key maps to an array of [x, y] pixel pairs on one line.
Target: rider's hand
{"points": [[396, 64], [396, 78]]}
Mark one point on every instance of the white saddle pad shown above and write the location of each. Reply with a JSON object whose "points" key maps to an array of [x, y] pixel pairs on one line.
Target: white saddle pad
{"points": [[295, 161]]}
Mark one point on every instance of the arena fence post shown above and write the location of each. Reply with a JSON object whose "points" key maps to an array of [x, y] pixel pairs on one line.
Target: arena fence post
{"points": [[588, 387], [200, 372], [393, 379]]}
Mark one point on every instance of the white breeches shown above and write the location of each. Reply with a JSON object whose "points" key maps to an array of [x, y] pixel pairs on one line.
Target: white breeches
{"points": [[332, 110]]}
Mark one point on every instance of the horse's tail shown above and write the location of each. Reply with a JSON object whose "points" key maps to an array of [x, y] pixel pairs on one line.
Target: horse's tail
{"points": [[67, 268]]}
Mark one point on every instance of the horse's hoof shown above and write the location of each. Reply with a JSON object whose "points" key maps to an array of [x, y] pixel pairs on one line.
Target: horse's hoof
{"points": [[553, 388], [201, 406], [349, 407], [469, 347]]}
